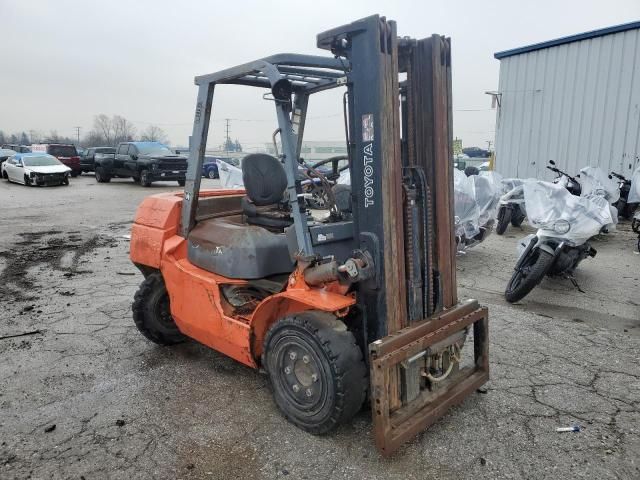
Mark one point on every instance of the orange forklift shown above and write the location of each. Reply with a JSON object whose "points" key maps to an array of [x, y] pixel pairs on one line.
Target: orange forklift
{"points": [[358, 304]]}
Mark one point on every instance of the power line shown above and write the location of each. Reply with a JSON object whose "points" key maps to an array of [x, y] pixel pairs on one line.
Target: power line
{"points": [[227, 141], [77, 129]]}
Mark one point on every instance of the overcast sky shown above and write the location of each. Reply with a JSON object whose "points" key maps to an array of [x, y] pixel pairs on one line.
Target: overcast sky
{"points": [[64, 61]]}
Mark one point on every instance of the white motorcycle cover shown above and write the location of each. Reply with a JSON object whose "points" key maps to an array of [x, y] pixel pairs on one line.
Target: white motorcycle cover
{"points": [[513, 192], [466, 209], [487, 188], [594, 180], [230, 176], [634, 193], [509, 184], [550, 207], [475, 201]]}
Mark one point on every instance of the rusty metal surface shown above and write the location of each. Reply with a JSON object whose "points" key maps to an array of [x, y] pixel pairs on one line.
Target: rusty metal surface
{"points": [[407, 335], [429, 94], [393, 427], [393, 228], [395, 282]]}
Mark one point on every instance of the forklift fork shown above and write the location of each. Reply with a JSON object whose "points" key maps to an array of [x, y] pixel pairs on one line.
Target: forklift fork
{"points": [[392, 428]]}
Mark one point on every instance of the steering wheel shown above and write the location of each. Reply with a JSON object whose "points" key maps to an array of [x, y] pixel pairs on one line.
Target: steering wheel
{"points": [[323, 187], [336, 170]]}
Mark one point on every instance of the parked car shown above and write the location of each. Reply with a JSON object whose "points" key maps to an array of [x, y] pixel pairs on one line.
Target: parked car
{"points": [[475, 152], [6, 153], [36, 168], [87, 161], [65, 152], [210, 167], [145, 162], [16, 148]]}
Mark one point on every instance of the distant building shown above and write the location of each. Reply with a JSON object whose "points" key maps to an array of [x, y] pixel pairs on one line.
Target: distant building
{"points": [[314, 151], [575, 100]]}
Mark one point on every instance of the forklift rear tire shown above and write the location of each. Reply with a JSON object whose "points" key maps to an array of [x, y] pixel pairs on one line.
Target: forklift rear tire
{"points": [[152, 313], [317, 372]]}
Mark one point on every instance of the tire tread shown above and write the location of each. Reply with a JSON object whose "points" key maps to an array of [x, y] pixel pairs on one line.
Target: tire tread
{"points": [[345, 359], [143, 317]]}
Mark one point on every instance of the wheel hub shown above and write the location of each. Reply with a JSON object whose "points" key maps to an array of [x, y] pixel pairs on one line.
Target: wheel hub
{"points": [[301, 375]]}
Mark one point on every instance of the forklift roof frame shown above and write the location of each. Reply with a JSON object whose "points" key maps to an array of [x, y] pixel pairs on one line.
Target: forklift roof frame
{"points": [[300, 75]]}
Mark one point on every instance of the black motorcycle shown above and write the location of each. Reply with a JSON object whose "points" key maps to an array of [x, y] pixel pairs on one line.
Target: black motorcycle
{"points": [[511, 209], [625, 209], [570, 183]]}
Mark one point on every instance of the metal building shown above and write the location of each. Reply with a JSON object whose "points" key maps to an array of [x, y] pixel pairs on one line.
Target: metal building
{"points": [[575, 100]]}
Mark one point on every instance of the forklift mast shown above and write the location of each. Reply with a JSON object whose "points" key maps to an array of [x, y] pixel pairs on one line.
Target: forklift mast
{"points": [[399, 140]]}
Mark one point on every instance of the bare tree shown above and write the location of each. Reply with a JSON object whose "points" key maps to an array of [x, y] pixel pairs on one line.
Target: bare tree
{"points": [[153, 133], [109, 130], [123, 129], [103, 130], [53, 136]]}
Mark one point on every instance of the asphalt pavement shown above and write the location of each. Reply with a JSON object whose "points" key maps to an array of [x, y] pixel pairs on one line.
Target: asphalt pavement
{"points": [[84, 395]]}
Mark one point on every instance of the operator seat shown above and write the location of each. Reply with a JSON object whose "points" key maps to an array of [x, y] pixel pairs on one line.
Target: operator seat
{"points": [[252, 245], [264, 181]]}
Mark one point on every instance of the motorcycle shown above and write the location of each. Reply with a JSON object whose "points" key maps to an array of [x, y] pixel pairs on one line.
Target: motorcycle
{"points": [[565, 224], [476, 200], [634, 199], [624, 207], [567, 181], [511, 207]]}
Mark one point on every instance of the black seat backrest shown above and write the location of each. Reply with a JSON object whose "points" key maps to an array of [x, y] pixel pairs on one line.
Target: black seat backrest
{"points": [[264, 179]]}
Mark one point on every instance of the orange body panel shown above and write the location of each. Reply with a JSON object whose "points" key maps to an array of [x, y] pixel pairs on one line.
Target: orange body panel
{"points": [[196, 302]]}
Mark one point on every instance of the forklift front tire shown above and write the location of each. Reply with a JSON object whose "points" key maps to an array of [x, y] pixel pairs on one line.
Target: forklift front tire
{"points": [[152, 314], [317, 372]]}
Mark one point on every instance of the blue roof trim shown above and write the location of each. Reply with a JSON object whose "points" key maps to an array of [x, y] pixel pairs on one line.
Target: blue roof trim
{"points": [[572, 38]]}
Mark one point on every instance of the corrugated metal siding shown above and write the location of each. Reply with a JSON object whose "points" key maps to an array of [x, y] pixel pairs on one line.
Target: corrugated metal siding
{"points": [[577, 103]]}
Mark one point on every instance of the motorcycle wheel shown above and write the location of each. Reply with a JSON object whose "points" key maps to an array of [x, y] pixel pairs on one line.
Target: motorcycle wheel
{"points": [[528, 275], [621, 206], [629, 210], [517, 218], [504, 217], [635, 225]]}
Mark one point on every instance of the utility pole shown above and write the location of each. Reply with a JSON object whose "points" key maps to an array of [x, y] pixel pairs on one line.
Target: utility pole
{"points": [[78, 133], [227, 140]]}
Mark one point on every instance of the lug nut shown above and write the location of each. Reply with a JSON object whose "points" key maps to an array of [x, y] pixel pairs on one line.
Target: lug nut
{"points": [[293, 355], [287, 370], [296, 388], [314, 377], [305, 359], [309, 392]]}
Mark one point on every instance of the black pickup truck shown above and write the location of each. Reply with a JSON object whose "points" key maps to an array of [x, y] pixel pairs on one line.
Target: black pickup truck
{"points": [[88, 158], [145, 162]]}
